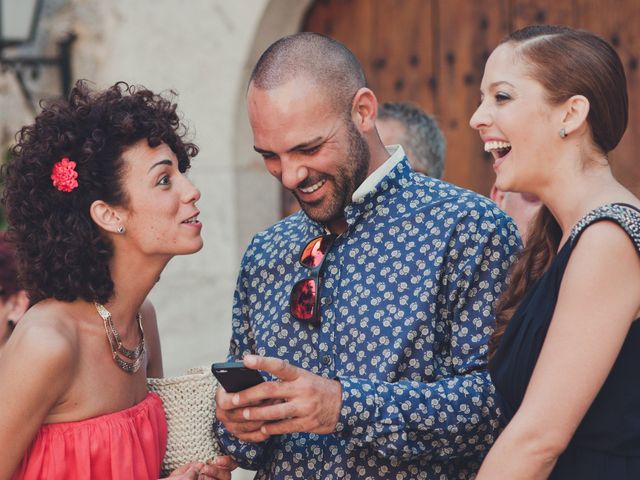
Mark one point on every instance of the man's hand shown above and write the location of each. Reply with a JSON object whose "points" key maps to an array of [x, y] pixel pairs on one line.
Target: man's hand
{"points": [[299, 402], [233, 419]]}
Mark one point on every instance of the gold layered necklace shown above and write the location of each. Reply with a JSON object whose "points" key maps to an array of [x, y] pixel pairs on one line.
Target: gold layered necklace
{"points": [[127, 360]]}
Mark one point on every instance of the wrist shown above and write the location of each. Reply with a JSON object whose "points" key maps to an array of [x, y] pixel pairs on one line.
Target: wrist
{"points": [[336, 405]]}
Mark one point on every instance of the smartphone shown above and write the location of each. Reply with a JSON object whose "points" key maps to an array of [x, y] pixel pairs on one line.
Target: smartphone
{"points": [[234, 376]]}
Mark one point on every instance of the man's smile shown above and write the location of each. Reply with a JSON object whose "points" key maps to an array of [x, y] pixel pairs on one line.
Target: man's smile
{"points": [[313, 187]]}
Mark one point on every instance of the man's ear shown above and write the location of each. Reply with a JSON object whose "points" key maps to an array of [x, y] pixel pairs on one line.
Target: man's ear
{"points": [[364, 110], [576, 110], [106, 217]]}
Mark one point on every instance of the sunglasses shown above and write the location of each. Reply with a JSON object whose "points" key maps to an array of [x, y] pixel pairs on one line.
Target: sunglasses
{"points": [[304, 302]]}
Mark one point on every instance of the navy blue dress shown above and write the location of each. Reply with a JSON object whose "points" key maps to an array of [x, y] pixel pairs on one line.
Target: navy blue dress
{"points": [[606, 444]]}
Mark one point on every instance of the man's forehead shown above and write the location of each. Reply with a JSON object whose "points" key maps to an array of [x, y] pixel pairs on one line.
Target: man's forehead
{"points": [[287, 106], [299, 78], [281, 135], [290, 93]]}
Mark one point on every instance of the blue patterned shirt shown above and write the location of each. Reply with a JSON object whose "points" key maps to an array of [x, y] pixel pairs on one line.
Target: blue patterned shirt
{"points": [[407, 309]]}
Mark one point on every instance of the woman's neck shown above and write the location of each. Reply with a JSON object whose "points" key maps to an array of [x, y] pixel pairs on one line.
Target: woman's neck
{"points": [[133, 279], [571, 196]]}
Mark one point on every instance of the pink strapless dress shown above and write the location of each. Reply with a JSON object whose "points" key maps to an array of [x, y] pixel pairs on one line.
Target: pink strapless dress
{"points": [[124, 445]]}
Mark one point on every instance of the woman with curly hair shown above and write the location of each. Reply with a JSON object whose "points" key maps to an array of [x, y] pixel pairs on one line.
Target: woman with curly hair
{"points": [[565, 353], [98, 203]]}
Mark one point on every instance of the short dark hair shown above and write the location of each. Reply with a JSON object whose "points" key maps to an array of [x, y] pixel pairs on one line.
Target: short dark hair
{"points": [[423, 138], [567, 62], [61, 251], [321, 59]]}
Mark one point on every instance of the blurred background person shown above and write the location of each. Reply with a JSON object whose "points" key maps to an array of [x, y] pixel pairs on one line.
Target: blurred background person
{"points": [[408, 125], [13, 299], [522, 207]]}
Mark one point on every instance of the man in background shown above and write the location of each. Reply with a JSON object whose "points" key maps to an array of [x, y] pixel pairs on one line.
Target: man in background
{"points": [[418, 133]]}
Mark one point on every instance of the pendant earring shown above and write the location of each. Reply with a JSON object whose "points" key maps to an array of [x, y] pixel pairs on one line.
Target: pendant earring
{"points": [[562, 133], [121, 229]]}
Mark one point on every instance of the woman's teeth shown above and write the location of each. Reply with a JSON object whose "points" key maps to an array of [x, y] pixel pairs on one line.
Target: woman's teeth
{"points": [[191, 220], [313, 187], [501, 148]]}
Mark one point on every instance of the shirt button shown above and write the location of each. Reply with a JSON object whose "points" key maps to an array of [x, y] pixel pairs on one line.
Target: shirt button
{"points": [[327, 301], [326, 359]]}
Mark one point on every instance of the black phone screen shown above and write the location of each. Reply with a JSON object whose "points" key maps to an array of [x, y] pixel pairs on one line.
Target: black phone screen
{"points": [[235, 377]]}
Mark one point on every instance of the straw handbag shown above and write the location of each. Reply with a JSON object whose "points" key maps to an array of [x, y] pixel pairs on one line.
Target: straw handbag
{"points": [[189, 406]]}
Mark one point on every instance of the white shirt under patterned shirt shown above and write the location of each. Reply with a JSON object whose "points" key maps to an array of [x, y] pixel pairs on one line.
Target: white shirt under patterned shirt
{"points": [[407, 309]]}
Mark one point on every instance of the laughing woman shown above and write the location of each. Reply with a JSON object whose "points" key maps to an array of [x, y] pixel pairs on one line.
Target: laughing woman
{"points": [[98, 203], [554, 103]]}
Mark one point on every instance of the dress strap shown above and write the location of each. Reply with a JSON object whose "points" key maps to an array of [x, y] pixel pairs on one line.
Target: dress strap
{"points": [[627, 216]]}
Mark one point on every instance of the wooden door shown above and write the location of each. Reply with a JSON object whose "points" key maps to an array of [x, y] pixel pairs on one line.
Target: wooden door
{"points": [[432, 52]]}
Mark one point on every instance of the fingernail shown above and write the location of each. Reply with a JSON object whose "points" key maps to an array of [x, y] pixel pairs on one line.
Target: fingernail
{"points": [[263, 430], [236, 399], [246, 414], [250, 360]]}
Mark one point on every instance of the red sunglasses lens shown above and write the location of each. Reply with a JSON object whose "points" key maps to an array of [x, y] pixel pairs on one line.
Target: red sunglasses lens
{"points": [[315, 251], [303, 299]]}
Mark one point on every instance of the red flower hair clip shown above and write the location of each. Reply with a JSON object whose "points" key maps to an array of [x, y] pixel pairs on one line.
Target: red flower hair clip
{"points": [[64, 175]]}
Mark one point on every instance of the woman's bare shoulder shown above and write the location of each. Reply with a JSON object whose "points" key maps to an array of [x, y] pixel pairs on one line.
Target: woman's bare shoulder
{"points": [[47, 332], [41, 356]]}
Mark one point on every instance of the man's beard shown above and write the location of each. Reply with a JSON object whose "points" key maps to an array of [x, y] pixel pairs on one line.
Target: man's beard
{"points": [[349, 177]]}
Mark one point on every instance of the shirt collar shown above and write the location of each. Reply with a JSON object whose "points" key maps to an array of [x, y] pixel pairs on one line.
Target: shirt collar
{"points": [[397, 154], [383, 185]]}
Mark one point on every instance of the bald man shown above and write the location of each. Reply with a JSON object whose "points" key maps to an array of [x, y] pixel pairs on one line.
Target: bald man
{"points": [[369, 310]]}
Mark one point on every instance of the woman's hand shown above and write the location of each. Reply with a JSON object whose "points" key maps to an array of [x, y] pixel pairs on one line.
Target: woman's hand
{"points": [[219, 469]]}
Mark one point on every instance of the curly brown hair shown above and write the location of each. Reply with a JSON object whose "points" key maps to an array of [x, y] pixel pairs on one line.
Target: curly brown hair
{"points": [[61, 252]]}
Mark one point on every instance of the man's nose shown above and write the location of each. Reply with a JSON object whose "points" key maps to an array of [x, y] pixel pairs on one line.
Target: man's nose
{"points": [[293, 173]]}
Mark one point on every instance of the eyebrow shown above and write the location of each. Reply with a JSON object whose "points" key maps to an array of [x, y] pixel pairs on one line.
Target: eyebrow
{"points": [[161, 162], [499, 82], [495, 84], [300, 146]]}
